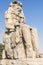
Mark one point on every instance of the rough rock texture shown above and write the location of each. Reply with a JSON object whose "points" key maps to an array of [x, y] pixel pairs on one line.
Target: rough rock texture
{"points": [[20, 40], [34, 39], [27, 38]]}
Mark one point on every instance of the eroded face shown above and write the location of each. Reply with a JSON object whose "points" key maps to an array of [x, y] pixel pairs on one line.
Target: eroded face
{"points": [[17, 8]]}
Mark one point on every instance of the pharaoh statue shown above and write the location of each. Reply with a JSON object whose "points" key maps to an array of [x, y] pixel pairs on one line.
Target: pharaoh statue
{"points": [[20, 40]]}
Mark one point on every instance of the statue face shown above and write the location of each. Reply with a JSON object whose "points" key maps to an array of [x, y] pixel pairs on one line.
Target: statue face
{"points": [[16, 7]]}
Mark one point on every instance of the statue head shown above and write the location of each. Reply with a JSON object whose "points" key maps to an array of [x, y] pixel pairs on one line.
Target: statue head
{"points": [[17, 6], [16, 2]]}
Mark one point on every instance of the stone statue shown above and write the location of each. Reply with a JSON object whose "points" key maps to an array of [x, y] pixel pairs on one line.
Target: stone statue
{"points": [[19, 39]]}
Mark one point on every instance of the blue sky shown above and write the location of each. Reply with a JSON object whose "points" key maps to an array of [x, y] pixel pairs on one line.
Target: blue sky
{"points": [[33, 11]]}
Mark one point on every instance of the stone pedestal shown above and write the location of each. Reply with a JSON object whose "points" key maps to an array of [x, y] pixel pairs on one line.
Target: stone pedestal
{"points": [[38, 61]]}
